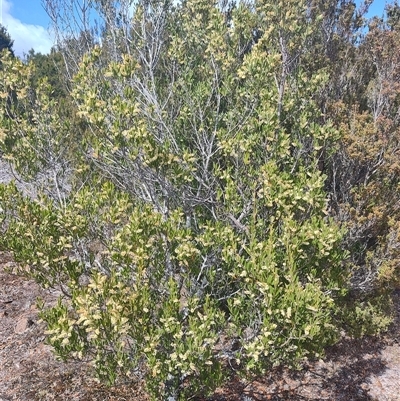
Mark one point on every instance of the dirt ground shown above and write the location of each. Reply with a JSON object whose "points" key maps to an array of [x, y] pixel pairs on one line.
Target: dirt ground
{"points": [[367, 369]]}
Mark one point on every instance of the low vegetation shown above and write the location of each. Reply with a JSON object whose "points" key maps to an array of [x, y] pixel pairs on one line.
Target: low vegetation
{"points": [[215, 185]]}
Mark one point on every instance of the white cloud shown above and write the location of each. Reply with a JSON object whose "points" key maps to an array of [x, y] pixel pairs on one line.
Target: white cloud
{"points": [[25, 36]]}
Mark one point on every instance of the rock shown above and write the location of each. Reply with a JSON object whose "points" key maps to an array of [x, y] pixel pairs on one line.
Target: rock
{"points": [[23, 324]]}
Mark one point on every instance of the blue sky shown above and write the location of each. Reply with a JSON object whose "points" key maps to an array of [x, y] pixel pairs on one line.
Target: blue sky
{"points": [[377, 8], [28, 23]]}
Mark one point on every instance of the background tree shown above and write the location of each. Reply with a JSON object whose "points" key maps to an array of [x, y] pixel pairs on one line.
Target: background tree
{"points": [[360, 181], [52, 68], [5, 40]]}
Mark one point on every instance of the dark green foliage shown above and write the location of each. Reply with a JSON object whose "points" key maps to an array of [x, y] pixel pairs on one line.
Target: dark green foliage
{"points": [[50, 66], [5, 40]]}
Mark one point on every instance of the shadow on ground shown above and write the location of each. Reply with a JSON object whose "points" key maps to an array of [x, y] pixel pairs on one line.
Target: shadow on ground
{"points": [[364, 369]]}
